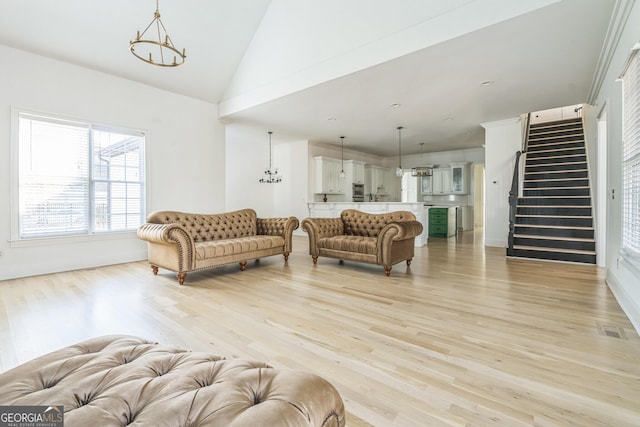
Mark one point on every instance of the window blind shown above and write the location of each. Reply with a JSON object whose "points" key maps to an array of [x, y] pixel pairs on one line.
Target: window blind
{"points": [[631, 155], [53, 177], [78, 178]]}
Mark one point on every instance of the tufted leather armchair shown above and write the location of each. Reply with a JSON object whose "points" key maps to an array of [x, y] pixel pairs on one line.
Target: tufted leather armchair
{"points": [[382, 239], [121, 380], [185, 242]]}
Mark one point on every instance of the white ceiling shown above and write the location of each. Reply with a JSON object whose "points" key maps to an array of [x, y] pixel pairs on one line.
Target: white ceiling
{"points": [[542, 59]]}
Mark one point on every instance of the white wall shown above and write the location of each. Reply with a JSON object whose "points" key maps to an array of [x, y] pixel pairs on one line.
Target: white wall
{"points": [[502, 140], [290, 197], [185, 153], [622, 277], [247, 156]]}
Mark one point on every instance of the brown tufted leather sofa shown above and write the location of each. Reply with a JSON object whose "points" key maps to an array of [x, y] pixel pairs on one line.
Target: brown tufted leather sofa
{"points": [[123, 380], [382, 239], [184, 242]]}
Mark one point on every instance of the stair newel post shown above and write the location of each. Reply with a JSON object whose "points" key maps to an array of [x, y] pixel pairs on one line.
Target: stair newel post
{"points": [[513, 199]]}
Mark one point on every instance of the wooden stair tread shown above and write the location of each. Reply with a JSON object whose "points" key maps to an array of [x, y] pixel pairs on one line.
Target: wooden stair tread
{"points": [[560, 171], [550, 138], [555, 188], [554, 179], [555, 197], [551, 123], [535, 138], [558, 157], [555, 216], [558, 250], [561, 227], [557, 150], [539, 165], [556, 238], [555, 206]]}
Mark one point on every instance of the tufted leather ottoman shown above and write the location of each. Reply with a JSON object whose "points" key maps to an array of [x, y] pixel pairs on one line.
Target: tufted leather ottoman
{"points": [[122, 380]]}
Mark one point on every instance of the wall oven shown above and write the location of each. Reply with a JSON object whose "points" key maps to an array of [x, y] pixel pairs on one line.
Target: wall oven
{"points": [[358, 192]]}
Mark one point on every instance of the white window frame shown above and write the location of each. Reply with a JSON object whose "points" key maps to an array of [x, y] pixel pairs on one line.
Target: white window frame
{"points": [[16, 239], [631, 158]]}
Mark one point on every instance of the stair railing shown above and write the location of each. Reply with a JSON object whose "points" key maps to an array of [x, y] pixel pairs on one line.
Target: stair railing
{"points": [[525, 140], [513, 199], [515, 186]]}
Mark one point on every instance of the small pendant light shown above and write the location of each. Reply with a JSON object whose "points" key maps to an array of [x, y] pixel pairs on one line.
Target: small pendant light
{"points": [[399, 170], [342, 174], [270, 175]]}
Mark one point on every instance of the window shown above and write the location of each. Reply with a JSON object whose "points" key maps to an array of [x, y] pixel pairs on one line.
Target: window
{"points": [[631, 155], [77, 178]]}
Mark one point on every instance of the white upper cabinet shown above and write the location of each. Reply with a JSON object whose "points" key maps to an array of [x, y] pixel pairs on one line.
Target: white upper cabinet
{"points": [[451, 180], [459, 178], [427, 185], [354, 171], [328, 179], [374, 180], [441, 181]]}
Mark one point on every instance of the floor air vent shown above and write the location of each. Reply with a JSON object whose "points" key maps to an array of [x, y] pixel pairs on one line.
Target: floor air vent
{"points": [[612, 331]]}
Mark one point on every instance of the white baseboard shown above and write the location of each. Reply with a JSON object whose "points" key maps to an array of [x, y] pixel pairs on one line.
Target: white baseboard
{"points": [[628, 305], [496, 243]]}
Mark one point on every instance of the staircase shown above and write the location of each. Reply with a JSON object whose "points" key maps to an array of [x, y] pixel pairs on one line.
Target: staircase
{"points": [[553, 219]]}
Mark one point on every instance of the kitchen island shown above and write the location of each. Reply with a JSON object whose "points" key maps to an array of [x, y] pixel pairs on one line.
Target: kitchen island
{"points": [[333, 210]]}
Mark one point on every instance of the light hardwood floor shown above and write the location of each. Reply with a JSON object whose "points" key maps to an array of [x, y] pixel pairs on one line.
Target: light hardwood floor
{"points": [[464, 337]]}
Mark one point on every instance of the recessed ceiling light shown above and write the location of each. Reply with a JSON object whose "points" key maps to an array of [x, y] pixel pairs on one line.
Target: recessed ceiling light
{"points": [[487, 83]]}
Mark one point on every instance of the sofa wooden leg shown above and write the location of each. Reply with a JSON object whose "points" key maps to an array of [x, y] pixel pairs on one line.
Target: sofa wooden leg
{"points": [[387, 270], [315, 259], [181, 277], [154, 268], [243, 265], [286, 256], [409, 262]]}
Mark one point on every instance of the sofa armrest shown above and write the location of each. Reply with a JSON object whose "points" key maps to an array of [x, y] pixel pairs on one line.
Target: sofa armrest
{"points": [[318, 228], [278, 227], [401, 230], [170, 234], [395, 232]]}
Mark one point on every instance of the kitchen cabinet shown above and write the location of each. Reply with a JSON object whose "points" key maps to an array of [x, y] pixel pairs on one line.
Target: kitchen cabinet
{"points": [[374, 180], [328, 179], [354, 171], [459, 178], [441, 181], [427, 185], [391, 183], [442, 221]]}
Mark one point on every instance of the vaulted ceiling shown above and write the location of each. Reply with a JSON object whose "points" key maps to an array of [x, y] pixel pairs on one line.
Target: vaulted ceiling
{"points": [[360, 68]]}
